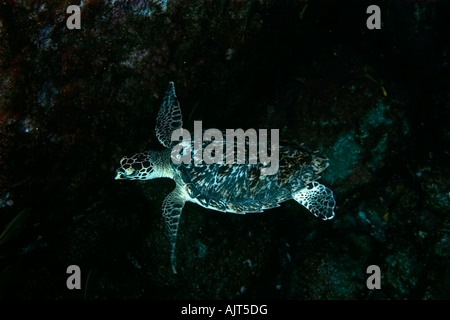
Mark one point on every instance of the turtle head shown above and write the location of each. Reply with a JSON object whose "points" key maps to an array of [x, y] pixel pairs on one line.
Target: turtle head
{"points": [[138, 167]]}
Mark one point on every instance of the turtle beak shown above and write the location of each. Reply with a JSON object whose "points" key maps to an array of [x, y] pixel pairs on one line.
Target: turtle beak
{"points": [[118, 175]]}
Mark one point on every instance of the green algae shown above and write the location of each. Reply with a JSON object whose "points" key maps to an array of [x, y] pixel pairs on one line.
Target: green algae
{"points": [[350, 146], [343, 156], [374, 119]]}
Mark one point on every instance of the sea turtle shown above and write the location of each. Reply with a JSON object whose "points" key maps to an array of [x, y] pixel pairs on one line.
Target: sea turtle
{"points": [[235, 188]]}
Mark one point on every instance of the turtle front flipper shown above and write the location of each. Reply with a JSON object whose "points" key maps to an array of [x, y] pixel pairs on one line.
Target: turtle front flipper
{"points": [[318, 199], [172, 206], [169, 117]]}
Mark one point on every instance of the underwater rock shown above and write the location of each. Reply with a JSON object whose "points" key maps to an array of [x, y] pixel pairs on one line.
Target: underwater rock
{"points": [[402, 273], [73, 102], [436, 188]]}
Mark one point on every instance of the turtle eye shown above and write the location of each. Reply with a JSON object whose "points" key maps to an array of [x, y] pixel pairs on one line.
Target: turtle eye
{"points": [[129, 171]]}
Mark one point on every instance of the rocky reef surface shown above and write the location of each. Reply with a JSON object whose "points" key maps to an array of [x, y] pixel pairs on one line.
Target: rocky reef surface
{"points": [[74, 101]]}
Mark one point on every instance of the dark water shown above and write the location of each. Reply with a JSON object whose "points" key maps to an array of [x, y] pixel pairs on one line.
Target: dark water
{"points": [[74, 102]]}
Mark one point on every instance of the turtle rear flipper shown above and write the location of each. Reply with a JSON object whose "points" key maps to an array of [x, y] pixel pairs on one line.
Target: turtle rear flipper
{"points": [[169, 117], [318, 199], [172, 206]]}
